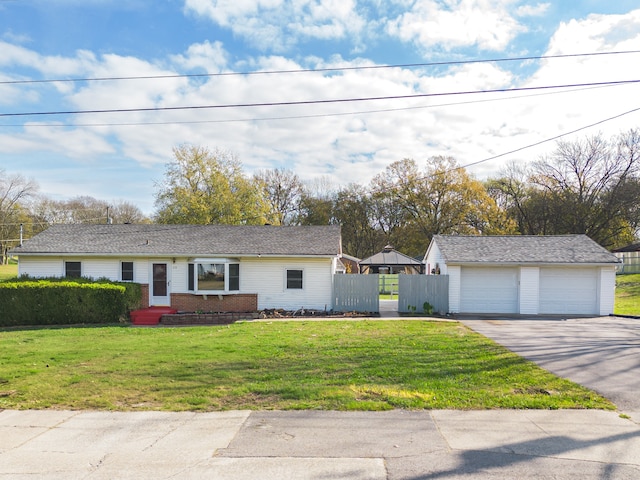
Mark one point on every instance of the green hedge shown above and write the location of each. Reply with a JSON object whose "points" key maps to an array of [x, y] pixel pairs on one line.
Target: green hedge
{"points": [[65, 302]]}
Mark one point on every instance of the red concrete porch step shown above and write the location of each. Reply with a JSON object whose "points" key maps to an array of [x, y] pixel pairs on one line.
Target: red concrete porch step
{"points": [[149, 316]]}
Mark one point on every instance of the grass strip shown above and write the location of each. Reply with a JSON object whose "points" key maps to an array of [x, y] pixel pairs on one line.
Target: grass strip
{"points": [[627, 294], [341, 365]]}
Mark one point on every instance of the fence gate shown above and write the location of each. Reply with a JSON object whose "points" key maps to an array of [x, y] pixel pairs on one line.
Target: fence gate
{"points": [[415, 290], [356, 293]]}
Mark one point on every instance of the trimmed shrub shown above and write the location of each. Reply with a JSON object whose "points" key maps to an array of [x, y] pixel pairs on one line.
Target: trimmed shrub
{"points": [[64, 302]]}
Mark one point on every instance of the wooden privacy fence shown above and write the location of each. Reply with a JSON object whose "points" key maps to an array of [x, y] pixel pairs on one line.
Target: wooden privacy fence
{"points": [[416, 290], [360, 293], [355, 293]]}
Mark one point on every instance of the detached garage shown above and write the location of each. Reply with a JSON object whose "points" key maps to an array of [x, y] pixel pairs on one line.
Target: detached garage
{"points": [[557, 275]]}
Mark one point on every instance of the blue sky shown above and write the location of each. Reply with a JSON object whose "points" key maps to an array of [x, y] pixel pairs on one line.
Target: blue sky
{"points": [[121, 156]]}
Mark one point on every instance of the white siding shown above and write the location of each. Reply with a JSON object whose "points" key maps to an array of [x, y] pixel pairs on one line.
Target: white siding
{"points": [[39, 267], [566, 290], [489, 290], [110, 268], [101, 268], [267, 278], [140, 270], [180, 276], [529, 290], [607, 290], [433, 258], [454, 288]]}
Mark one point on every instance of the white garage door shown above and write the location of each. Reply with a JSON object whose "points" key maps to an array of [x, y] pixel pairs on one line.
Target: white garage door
{"points": [[489, 290], [569, 291]]}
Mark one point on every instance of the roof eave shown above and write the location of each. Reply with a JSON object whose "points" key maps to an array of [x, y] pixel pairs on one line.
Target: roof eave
{"points": [[176, 255], [530, 264]]}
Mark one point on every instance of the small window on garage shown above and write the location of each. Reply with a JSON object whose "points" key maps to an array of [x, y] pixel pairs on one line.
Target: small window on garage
{"points": [[127, 271], [294, 279], [73, 269]]}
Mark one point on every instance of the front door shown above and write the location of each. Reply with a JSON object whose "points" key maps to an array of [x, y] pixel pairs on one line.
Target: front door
{"points": [[160, 294]]}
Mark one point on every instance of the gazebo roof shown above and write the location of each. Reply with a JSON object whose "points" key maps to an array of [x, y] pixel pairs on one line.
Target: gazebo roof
{"points": [[390, 257]]}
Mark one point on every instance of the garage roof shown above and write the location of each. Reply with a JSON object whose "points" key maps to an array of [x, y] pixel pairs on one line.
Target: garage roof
{"points": [[561, 249]]}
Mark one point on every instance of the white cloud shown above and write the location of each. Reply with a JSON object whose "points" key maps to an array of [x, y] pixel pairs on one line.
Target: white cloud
{"points": [[533, 10], [597, 33], [489, 25], [276, 25], [212, 57], [36, 137], [12, 37], [350, 147]]}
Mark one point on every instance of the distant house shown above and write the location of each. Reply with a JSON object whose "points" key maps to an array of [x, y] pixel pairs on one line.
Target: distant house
{"points": [[391, 261], [196, 267], [629, 258], [567, 274], [348, 264]]}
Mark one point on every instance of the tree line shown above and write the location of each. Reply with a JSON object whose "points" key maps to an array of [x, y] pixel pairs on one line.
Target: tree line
{"points": [[588, 186]]}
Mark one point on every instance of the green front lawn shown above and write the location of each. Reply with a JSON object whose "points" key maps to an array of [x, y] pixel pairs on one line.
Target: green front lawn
{"points": [[343, 365], [627, 294]]}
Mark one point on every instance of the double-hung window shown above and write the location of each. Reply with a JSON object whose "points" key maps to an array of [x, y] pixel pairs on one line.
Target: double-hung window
{"points": [[217, 275], [294, 279], [72, 269], [126, 271]]}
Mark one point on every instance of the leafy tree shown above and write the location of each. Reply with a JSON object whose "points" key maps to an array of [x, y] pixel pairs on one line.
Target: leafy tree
{"points": [[85, 209], [15, 190], [126, 212], [208, 187], [441, 199], [588, 186], [353, 211], [316, 210], [283, 191], [317, 202]]}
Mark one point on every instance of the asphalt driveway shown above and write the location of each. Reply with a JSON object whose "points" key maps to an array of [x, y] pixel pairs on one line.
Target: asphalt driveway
{"points": [[602, 353]]}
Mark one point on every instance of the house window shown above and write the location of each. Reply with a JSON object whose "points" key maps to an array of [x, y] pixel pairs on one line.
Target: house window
{"points": [[191, 281], [126, 271], [72, 269], [213, 276], [294, 279], [234, 276]]}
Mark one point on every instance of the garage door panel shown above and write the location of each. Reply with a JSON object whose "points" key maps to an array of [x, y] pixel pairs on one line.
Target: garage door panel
{"points": [[489, 290], [569, 291]]}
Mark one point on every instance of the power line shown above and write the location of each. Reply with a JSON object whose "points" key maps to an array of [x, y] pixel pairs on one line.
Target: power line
{"points": [[318, 102], [297, 117], [551, 139], [322, 70]]}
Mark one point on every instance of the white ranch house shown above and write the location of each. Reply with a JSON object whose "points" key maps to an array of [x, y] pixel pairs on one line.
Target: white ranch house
{"points": [[196, 267], [529, 275]]}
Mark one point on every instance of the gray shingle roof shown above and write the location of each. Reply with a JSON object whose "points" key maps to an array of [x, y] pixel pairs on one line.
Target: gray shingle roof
{"points": [[634, 247], [184, 240], [563, 249]]}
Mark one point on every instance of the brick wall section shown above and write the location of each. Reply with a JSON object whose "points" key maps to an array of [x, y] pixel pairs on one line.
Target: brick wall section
{"points": [[188, 302], [145, 295], [206, 318]]}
